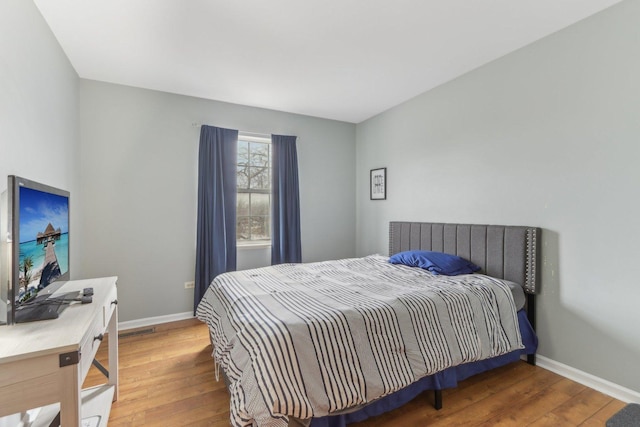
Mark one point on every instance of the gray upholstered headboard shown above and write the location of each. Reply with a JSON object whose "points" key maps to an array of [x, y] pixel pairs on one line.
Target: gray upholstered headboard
{"points": [[506, 252]]}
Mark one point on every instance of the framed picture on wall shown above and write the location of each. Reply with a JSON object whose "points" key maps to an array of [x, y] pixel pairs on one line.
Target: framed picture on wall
{"points": [[378, 184]]}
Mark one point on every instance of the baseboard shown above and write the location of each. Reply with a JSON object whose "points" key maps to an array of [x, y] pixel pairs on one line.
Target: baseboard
{"points": [[596, 383], [157, 320]]}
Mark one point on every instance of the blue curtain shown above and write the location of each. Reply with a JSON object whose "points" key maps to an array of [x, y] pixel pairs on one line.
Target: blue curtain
{"points": [[285, 236], [216, 233]]}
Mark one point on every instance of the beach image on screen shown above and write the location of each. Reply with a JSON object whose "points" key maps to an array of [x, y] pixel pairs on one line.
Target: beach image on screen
{"points": [[44, 240]]}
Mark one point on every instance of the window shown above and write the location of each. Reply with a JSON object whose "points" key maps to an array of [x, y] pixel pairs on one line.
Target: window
{"points": [[253, 209]]}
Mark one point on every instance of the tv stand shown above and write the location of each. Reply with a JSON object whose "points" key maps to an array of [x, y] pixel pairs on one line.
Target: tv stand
{"points": [[43, 364]]}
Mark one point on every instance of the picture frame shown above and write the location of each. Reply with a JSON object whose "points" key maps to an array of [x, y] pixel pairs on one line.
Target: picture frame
{"points": [[378, 184]]}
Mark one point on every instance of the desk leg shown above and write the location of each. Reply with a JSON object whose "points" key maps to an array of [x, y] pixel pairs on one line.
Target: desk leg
{"points": [[112, 328], [70, 404]]}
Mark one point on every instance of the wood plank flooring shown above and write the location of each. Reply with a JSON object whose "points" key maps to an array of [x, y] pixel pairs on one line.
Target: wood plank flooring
{"points": [[167, 378]]}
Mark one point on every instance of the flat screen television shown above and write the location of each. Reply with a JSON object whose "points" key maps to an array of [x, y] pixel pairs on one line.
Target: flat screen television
{"points": [[38, 249]]}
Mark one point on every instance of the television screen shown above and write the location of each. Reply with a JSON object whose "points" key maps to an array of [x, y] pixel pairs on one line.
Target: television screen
{"points": [[43, 233]]}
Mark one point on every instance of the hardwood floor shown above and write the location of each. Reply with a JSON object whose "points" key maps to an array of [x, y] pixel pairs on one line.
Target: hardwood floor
{"points": [[167, 378]]}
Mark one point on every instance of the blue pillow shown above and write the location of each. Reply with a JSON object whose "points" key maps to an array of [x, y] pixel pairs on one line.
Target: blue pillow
{"points": [[435, 262]]}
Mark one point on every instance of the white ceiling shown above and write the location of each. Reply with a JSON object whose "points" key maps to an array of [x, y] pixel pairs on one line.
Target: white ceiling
{"points": [[339, 59]]}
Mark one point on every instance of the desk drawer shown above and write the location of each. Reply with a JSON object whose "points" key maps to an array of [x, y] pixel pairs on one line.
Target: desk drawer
{"points": [[90, 343], [109, 306], [89, 346]]}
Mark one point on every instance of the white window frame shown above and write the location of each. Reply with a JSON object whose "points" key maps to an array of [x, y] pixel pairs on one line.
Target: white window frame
{"points": [[256, 244]]}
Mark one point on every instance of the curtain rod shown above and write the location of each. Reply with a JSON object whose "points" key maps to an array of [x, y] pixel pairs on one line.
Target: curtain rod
{"points": [[244, 132]]}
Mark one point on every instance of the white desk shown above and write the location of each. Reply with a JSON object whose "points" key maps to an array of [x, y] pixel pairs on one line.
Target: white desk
{"points": [[45, 362]]}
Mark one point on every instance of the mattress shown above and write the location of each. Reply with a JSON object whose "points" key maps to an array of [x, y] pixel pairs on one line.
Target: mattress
{"points": [[311, 340]]}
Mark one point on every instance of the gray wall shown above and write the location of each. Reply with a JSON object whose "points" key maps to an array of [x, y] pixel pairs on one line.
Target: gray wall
{"points": [[38, 107], [547, 136], [38, 100], [139, 182]]}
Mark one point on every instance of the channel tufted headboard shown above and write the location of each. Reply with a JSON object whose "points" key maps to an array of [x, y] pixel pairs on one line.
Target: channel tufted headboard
{"points": [[506, 252]]}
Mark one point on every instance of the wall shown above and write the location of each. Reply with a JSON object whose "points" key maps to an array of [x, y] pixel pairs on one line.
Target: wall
{"points": [[139, 168], [546, 136], [38, 100], [38, 107]]}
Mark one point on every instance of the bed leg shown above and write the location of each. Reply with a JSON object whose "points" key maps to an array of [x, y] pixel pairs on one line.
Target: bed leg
{"points": [[531, 315], [438, 399], [531, 359]]}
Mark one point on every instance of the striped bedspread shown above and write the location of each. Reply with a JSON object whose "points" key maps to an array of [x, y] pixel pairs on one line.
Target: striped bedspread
{"points": [[308, 340]]}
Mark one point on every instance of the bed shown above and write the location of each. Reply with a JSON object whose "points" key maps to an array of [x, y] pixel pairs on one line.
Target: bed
{"points": [[330, 343]]}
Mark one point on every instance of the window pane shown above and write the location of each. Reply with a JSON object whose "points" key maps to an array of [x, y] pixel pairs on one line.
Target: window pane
{"points": [[253, 173], [242, 177], [242, 205], [259, 154], [243, 228], [260, 228], [243, 152], [260, 178], [259, 204]]}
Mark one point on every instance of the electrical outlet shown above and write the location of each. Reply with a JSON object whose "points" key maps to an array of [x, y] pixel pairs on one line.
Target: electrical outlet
{"points": [[189, 285]]}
